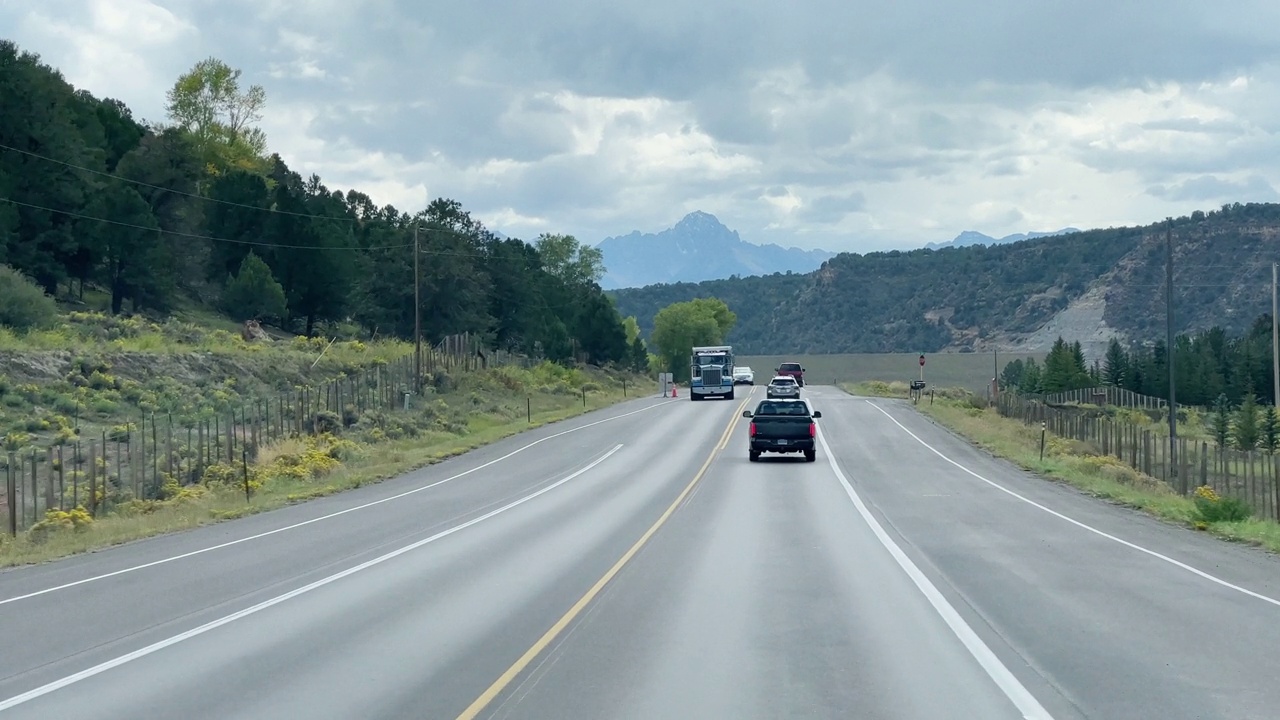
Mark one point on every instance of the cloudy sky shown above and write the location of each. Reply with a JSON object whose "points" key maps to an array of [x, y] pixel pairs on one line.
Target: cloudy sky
{"points": [[841, 124]]}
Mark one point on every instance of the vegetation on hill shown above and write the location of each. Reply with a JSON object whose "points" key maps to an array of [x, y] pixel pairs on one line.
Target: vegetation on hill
{"points": [[196, 211], [1212, 367], [972, 297], [134, 396]]}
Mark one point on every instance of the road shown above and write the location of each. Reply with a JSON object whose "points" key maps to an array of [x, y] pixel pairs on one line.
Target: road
{"points": [[632, 563]]}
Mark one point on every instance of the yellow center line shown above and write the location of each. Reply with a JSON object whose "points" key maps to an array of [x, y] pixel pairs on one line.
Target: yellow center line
{"points": [[547, 638]]}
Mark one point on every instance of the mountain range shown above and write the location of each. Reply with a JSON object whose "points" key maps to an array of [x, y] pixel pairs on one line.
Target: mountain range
{"points": [[700, 248], [973, 237], [697, 248], [1088, 285]]}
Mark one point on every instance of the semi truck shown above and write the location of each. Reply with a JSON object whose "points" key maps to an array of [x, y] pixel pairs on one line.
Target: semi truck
{"points": [[711, 372]]}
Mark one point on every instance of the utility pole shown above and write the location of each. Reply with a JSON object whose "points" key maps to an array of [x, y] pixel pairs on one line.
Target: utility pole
{"points": [[1168, 323], [995, 375], [1275, 342], [417, 315]]}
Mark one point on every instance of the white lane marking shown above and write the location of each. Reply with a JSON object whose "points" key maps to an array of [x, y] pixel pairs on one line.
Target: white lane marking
{"points": [[212, 625], [1026, 703], [1077, 523], [201, 551]]}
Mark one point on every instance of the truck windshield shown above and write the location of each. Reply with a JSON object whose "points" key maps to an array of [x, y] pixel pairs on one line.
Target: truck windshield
{"points": [[711, 360]]}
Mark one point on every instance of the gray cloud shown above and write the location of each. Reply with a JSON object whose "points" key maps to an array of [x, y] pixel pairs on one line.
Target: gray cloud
{"points": [[854, 125], [1209, 188]]}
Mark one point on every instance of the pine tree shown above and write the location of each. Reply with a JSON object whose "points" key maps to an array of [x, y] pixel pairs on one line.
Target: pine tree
{"points": [[1220, 421], [254, 293], [1246, 432], [1115, 365], [1270, 429]]}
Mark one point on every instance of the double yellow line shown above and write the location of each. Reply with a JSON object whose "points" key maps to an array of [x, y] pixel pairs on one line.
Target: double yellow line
{"points": [[550, 635]]}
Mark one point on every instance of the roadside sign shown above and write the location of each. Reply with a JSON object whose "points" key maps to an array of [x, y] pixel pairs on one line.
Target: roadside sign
{"points": [[921, 361]]}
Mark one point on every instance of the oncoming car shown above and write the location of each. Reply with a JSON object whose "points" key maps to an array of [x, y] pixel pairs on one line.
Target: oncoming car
{"points": [[743, 375], [783, 386]]}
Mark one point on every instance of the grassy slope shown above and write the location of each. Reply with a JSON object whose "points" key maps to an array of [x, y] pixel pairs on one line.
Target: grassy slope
{"points": [[96, 372], [1069, 462]]}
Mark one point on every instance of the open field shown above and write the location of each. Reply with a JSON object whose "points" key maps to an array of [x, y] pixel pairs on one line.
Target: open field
{"points": [[972, 371]]}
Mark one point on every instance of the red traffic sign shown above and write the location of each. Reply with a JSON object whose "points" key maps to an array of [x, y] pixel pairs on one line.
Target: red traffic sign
{"points": [[921, 361]]}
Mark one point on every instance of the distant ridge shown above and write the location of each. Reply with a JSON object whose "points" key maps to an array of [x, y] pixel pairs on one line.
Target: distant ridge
{"points": [[697, 248]]}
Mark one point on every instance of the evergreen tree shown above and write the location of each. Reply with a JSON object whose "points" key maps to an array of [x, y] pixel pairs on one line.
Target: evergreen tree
{"points": [[1115, 365], [1220, 421], [254, 293], [1246, 432], [1270, 429]]}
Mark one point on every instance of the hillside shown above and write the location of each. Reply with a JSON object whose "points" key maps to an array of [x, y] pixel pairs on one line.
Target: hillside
{"points": [[1088, 286], [199, 212], [697, 248]]}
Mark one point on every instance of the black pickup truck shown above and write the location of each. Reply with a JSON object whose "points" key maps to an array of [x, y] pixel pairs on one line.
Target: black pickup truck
{"points": [[783, 426]]}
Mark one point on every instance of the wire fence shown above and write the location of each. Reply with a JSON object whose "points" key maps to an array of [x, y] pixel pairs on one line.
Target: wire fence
{"points": [[134, 460], [1105, 395], [1251, 476]]}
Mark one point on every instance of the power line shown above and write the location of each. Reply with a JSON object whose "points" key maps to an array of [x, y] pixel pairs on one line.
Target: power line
{"points": [[194, 236], [205, 198], [165, 189]]}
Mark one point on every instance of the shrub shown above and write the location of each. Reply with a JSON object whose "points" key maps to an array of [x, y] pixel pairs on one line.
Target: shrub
{"points": [[23, 304], [56, 521], [1212, 508]]}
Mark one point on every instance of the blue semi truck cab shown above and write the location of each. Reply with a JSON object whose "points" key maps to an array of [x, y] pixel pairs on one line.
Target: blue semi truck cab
{"points": [[711, 372]]}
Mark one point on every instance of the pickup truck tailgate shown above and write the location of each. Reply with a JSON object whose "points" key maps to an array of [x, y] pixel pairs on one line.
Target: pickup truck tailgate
{"points": [[781, 433]]}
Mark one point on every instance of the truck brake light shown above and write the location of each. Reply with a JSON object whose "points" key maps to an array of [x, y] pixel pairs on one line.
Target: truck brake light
{"points": [[753, 429], [813, 429]]}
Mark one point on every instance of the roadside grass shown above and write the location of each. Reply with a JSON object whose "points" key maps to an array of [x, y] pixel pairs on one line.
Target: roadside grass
{"points": [[482, 408], [1080, 465]]}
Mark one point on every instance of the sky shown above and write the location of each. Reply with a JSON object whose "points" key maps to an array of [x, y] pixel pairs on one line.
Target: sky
{"points": [[845, 125]]}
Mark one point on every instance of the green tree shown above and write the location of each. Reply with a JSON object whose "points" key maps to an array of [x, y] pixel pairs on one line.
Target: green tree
{"points": [[23, 305], [639, 355], [208, 103], [600, 331], [254, 294], [1270, 429], [1246, 431], [1220, 421], [1030, 382], [680, 327], [135, 266], [1011, 376], [572, 262]]}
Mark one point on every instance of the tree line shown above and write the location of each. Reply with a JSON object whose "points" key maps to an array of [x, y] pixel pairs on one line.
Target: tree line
{"points": [[1211, 367], [196, 208]]}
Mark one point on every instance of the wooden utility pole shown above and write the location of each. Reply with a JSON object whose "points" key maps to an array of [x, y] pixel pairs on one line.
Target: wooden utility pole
{"points": [[1168, 322], [1275, 342], [417, 316]]}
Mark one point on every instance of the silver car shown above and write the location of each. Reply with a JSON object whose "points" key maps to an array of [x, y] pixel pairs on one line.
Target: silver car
{"points": [[783, 386]]}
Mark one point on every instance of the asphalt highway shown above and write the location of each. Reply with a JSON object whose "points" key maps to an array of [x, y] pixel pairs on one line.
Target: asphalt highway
{"points": [[632, 563]]}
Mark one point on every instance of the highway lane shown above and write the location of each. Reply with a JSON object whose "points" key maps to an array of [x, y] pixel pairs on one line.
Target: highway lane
{"points": [[50, 635], [765, 593], [1114, 631]]}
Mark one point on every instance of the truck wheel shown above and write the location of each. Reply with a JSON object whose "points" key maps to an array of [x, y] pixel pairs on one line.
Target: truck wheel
{"points": [[810, 455], [730, 395], [693, 397], [753, 455]]}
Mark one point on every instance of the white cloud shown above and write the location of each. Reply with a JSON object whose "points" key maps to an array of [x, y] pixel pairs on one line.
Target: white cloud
{"points": [[838, 124]]}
